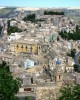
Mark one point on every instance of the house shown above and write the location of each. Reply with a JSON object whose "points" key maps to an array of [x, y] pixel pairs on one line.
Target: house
{"points": [[77, 58], [29, 63], [13, 23], [69, 68], [30, 46], [14, 36], [6, 57]]}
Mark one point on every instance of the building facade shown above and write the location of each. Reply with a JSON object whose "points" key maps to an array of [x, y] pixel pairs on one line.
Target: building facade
{"points": [[24, 47]]}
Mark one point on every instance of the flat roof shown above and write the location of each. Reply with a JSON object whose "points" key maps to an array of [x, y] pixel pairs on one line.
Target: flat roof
{"points": [[25, 41]]}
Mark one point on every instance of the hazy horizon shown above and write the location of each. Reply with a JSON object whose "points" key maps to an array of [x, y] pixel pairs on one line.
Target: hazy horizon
{"points": [[40, 4], [41, 7]]}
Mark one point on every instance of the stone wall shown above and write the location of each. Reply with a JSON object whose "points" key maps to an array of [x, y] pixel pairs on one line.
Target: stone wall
{"points": [[47, 93]]}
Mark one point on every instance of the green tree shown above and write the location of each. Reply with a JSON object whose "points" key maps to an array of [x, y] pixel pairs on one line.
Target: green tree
{"points": [[77, 29], [58, 38], [70, 36], [1, 28], [70, 93], [13, 29], [76, 68], [32, 18], [8, 22], [53, 13], [8, 86], [72, 53], [27, 98]]}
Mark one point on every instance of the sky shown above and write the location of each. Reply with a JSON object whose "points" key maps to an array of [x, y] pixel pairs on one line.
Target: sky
{"points": [[40, 3]]}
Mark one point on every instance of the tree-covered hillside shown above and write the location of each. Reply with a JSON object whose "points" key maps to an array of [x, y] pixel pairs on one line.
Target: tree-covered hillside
{"points": [[6, 11]]}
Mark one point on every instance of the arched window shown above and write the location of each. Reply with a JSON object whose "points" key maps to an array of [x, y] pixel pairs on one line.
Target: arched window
{"points": [[22, 47], [17, 46], [39, 47], [59, 76], [26, 48]]}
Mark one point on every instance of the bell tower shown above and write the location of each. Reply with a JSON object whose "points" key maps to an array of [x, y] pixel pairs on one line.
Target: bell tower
{"points": [[58, 73], [39, 49]]}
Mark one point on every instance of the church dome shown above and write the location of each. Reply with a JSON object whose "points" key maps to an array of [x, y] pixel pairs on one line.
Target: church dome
{"points": [[59, 61]]}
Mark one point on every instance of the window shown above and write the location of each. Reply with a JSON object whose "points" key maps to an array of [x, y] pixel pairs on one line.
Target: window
{"points": [[27, 89], [22, 47], [17, 46], [59, 76], [31, 48], [55, 77], [32, 80], [26, 48], [39, 47], [28, 64]]}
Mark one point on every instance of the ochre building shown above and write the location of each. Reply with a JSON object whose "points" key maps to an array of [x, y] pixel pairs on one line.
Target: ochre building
{"points": [[23, 46]]}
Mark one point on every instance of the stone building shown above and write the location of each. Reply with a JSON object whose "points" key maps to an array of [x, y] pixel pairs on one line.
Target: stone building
{"points": [[31, 46], [50, 91], [44, 90]]}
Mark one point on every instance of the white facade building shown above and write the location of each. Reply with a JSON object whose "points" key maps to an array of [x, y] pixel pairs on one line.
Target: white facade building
{"points": [[13, 23], [14, 36], [28, 63]]}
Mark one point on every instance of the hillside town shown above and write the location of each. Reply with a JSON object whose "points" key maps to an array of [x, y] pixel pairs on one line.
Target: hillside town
{"points": [[34, 46]]}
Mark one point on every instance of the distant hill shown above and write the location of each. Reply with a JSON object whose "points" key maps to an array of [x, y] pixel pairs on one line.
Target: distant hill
{"points": [[4, 12], [27, 9], [9, 11]]}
